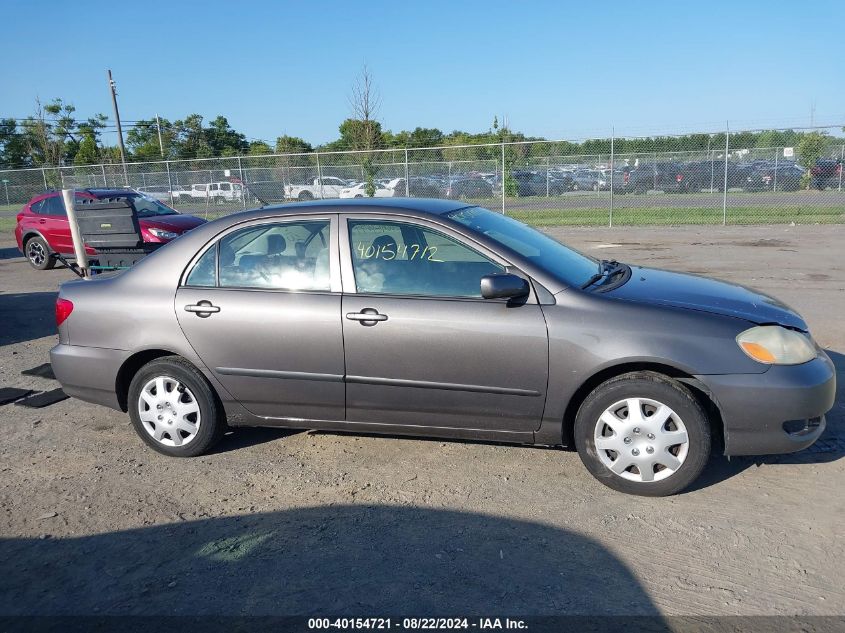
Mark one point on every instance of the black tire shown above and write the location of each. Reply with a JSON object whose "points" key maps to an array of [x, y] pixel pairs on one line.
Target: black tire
{"points": [[212, 423], [38, 253], [305, 195], [659, 388]]}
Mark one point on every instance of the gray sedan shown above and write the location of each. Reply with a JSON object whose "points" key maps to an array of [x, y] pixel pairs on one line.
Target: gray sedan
{"points": [[431, 317]]}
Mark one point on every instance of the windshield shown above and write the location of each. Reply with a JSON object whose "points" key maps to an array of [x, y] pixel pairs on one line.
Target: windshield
{"points": [[566, 264], [148, 207]]}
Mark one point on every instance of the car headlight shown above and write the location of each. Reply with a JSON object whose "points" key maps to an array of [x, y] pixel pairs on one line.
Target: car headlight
{"points": [[775, 345], [162, 234]]}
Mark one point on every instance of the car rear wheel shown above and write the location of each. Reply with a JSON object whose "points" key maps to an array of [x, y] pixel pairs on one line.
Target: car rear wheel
{"points": [[305, 195], [174, 409], [38, 254], [643, 433]]}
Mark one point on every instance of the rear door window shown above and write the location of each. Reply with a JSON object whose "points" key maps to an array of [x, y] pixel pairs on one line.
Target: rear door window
{"points": [[54, 206], [277, 256]]}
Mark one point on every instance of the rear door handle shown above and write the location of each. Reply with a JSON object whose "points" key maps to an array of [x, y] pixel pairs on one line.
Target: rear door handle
{"points": [[367, 316], [202, 309]]}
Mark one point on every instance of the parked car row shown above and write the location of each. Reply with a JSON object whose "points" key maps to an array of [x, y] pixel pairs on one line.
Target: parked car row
{"points": [[555, 180], [696, 176], [218, 192]]}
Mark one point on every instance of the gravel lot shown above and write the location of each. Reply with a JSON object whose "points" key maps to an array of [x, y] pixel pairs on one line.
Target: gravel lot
{"points": [[275, 522]]}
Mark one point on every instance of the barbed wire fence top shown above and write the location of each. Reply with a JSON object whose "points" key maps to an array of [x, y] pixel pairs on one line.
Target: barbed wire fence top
{"points": [[713, 178]]}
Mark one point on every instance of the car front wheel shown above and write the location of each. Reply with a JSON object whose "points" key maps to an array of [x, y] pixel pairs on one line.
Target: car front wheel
{"points": [[174, 409], [38, 254], [643, 433]]}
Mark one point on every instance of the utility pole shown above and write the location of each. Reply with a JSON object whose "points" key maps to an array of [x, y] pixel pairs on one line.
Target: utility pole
{"points": [[158, 127], [119, 130]]}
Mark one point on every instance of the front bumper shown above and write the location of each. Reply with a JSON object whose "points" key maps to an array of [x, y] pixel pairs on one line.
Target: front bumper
{"points": [[88, 373], [764, 414]]}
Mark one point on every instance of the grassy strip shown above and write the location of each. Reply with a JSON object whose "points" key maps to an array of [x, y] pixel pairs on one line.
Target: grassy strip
{"points": [[7, 226], [670, 216]]}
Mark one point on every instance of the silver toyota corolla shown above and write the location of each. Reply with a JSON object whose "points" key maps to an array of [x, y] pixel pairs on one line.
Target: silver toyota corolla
{"points": [[431, 317]]}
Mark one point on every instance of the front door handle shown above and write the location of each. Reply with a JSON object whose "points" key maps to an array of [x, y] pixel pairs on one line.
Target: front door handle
{"points": [[367, 316], [202, 309]]}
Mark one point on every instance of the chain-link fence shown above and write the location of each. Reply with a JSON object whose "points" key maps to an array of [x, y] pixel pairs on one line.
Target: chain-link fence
{"points": [[722, 178]]}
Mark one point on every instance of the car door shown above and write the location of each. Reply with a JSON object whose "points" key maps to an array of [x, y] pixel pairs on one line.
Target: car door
{"points": [[435, 354], [261, 307], [53, 225]]}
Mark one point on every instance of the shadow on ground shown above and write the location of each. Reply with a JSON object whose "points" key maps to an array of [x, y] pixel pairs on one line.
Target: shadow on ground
{"points": [[26, 316], [349, 560], [10, 253], [243, 437]]}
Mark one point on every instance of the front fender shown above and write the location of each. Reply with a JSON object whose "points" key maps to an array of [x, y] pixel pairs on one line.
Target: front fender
{"points": [[590, 334]]}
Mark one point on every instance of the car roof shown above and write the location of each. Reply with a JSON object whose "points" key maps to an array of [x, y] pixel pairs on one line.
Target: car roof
{"points": [[432, 206]]}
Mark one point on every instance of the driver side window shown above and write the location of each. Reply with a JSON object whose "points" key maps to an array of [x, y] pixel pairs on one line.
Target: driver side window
{"points": [[399, 258]]}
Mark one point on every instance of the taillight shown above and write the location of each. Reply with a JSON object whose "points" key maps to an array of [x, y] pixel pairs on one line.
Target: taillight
{"points": [[679, 177], [626, 177], [63, 310]]}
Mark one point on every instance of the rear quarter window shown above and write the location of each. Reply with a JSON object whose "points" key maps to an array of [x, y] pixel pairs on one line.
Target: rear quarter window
{"points": [[204, 272]]}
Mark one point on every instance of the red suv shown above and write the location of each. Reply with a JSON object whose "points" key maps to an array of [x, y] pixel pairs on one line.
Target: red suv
{"points": [[42, 229]]}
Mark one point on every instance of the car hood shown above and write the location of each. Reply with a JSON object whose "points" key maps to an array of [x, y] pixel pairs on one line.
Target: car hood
{"points": [[178, 223], [681, 290]]}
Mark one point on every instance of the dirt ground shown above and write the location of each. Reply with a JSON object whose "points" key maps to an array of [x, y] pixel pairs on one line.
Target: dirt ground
{"points": [[275, 522]]}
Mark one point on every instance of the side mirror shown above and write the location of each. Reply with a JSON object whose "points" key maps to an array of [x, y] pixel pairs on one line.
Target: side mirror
{"points": [[503, 286]]}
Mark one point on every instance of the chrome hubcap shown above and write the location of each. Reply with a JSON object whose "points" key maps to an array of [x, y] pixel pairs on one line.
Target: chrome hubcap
{"points": [[641, 439], [36, 253], [168, 411]]}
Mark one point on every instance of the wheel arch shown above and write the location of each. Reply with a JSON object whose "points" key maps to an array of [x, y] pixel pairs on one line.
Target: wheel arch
{"points": [[699, 391], [28, 234], [131, 366]]}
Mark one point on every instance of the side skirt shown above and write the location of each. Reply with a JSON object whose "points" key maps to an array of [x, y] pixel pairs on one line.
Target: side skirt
{"points": [[522, 437]]}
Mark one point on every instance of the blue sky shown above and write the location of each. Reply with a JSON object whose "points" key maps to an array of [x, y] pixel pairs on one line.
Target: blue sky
{"points": [[555, 69]]}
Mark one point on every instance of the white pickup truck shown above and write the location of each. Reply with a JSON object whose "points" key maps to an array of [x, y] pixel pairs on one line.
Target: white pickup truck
{"points": [[212, 191], [329, 188]]}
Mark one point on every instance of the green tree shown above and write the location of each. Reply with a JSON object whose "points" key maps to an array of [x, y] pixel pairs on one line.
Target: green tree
{"points": [[425, 137], [259, 148], [142, 140], [191, 141], [292, 145], [13, 148], [52, 135], [810, 148], [223, 140], [87, 153]]}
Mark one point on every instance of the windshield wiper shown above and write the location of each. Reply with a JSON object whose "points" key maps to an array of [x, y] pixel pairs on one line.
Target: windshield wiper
{"points": [[606, 266]]}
